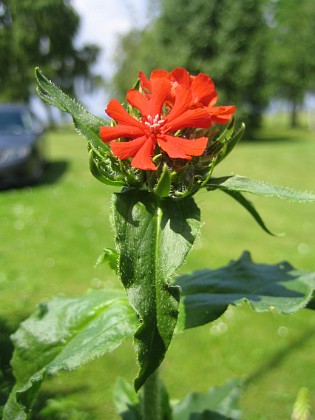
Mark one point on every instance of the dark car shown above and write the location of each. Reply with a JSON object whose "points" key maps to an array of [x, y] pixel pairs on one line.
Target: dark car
{"points": [[22, 152]]}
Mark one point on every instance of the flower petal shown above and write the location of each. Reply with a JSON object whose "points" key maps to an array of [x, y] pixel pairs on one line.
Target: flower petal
{"points": [[144, 82], [126, 149], [161, 89], [113, 133], [171, 147], [198, 118], [203, 89], [178, 146], [160, 73], [182, 102], [221, 114], [119, 114], [181, 76], [143, 158], [139, 101]]}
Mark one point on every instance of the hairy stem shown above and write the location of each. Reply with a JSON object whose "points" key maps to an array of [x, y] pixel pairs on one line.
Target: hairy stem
{"points": [[151, 404]]}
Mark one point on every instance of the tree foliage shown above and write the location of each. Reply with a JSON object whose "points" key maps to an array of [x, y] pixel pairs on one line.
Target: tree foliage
{"points": [[255, 50], [40, 33], [291, 54], [225, 39]]}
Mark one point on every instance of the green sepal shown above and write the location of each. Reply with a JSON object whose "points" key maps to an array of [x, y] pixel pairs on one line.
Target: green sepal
{"points": [[230, 139], [219, 148], [153, 238], [163, 186], [96, 171], [276, 288]]}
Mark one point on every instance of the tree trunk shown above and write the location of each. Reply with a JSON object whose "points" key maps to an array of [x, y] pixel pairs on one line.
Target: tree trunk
{"points": [[294, 114]]}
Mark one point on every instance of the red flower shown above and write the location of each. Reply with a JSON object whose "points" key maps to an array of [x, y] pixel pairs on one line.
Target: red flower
{"points": [[156, 127], [203, 93]]}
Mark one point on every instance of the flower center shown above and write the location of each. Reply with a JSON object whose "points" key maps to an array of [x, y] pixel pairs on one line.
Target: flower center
{"points": [[154, 124]]}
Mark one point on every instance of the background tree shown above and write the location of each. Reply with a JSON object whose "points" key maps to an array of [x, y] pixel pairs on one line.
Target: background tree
{"points": [[40, 33], [292, 58], [226, 39]]}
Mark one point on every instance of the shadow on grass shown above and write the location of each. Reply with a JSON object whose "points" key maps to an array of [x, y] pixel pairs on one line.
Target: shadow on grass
{"points": [[279, 135], [271, 139], [280, 356], [53, 172], [274, 138]]}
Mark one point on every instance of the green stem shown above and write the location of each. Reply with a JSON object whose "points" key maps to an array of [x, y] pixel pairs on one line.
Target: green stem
{"points": [[151, 404]]}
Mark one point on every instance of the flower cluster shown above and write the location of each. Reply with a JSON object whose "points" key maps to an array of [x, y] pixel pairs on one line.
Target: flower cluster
{"points": [[169, 116]]}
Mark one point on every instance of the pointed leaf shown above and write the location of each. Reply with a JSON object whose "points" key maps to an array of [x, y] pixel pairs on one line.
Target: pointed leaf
{"points": [[242, 184], [109, 256], [86, 123], [153, 238], [276, 288], [63, 334], [102, 164], [217, 404], [249, 207]]}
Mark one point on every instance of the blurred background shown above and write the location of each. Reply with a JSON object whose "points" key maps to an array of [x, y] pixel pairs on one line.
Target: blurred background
{"points": [[260, 53], [54, 224]]}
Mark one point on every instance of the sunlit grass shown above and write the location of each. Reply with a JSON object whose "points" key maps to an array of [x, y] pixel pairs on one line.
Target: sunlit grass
{"points": [[52, 234]]}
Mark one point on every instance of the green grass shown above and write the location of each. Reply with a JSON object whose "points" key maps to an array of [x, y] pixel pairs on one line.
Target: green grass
{"points": [[52, 234]]}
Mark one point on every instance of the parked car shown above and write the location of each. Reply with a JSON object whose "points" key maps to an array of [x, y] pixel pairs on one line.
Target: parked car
{"points": [[22, 149]]}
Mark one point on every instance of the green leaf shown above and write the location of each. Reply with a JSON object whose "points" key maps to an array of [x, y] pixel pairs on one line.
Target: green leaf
{"points": [[87, 124], [217, 404], [242, 184], [64, 334], [153, 238], [276, 288], [109, 256], [126, 400], [102, 164]]}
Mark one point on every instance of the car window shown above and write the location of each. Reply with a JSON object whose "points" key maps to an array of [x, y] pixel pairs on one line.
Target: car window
{"points": [[14, 122]]}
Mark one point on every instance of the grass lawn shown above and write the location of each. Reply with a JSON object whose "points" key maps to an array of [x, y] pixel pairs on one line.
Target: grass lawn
{"points": [[52, 234]]}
